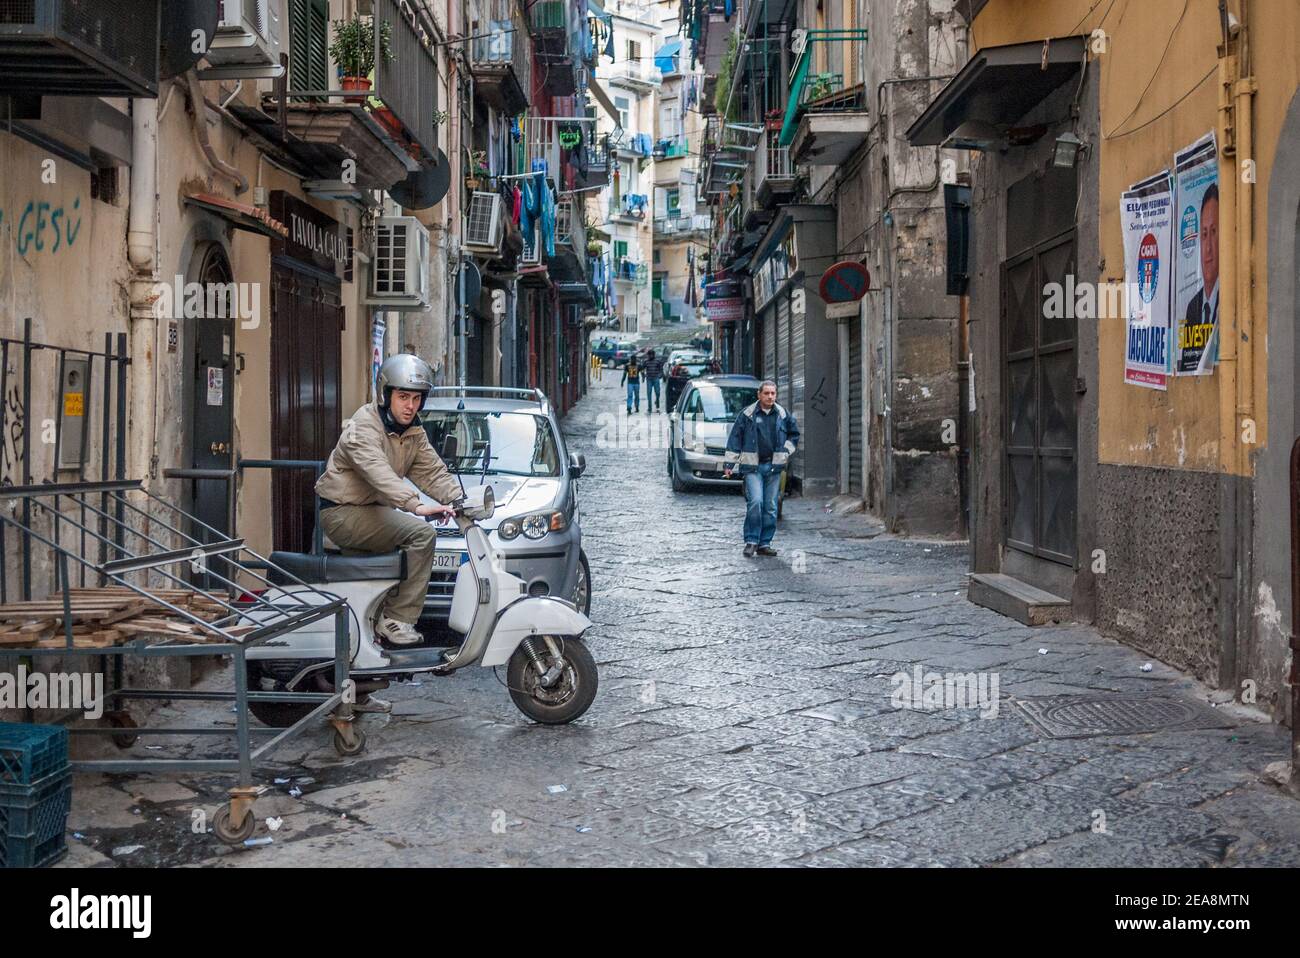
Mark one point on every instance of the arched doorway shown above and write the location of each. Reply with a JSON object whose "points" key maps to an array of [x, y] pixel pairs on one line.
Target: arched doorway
{"points": [[212, 385]]}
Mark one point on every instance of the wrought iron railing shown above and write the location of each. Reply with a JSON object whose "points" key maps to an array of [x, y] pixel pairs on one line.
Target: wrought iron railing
{"points": [[771, 159], [811, 88], [408, 84], [505, 46]]}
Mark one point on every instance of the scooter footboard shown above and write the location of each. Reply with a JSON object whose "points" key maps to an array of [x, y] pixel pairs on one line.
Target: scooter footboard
{"points": [[540, 615]]}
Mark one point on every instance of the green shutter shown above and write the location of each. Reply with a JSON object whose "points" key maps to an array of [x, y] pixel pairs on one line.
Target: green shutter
{"points": [[309, 45]]}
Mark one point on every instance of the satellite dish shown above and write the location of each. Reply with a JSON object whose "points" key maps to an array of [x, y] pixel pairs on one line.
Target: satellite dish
{"points": [[423, 189], [185, 25]]}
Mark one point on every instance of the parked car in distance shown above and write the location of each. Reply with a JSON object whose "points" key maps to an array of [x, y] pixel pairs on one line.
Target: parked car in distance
{"points": [[604, 351], [534, 479], [684, 355], [699, 425], [623, 353]]}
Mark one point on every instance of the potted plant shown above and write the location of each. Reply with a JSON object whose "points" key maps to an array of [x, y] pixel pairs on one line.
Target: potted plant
{"points": [[353, 50], [478, 171]]}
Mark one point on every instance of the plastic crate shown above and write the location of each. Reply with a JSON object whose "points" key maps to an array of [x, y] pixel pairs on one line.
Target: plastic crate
{"points": [[30, 753], [34, 821]]}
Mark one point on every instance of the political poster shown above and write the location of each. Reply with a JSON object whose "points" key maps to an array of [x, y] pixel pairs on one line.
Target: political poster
{"points": [[1146, 216], [1196, 268]]}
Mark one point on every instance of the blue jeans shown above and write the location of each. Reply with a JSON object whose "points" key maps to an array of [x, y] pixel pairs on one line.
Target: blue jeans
{"points": [[652, 389], [762, 490], [633, 395]]}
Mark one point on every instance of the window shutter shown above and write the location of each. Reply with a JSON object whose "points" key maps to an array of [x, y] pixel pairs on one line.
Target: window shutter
{"points": [[309, 45]]}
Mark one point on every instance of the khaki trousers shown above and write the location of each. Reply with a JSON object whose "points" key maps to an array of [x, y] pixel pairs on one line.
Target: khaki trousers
{"points": [[382, 529]]}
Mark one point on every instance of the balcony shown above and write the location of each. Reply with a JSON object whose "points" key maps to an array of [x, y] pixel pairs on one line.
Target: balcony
{"points": [[773, 171], [630, 272], [825, 122], [592, 164], [631, 210], [633, 75], [682, 227], [554, 50], [501, 68], [568, 267], [671, 148], [388, 132]]}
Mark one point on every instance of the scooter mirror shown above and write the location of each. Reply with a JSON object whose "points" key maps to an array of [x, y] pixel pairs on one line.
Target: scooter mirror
{"points": [[449, 447]]}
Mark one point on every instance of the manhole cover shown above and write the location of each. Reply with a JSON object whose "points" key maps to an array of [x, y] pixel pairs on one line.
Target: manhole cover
{"points": [[1076, 716]]}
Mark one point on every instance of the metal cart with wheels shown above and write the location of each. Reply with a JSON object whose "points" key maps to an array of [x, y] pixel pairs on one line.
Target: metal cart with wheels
{"points": [[132, 575]]}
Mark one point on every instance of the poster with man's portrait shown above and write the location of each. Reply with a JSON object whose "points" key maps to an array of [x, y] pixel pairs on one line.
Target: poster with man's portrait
{"points": [[1196, 262]]}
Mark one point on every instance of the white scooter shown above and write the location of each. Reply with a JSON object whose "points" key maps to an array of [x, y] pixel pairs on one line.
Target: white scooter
{"points": [[550, 673]]}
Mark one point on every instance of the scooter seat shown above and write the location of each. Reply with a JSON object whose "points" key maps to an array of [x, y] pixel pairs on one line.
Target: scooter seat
{"points": [[319, 569]]}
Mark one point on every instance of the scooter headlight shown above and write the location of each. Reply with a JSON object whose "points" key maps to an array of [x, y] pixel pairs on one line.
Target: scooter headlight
{"points": [[509, 529]]}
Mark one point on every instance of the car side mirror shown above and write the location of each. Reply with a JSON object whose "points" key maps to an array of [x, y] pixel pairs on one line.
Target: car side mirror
{"points": [[577, 465], [449, 447]]}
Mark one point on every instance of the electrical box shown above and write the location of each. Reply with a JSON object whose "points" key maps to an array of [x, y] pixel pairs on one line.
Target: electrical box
{"points": [[74, 411]]}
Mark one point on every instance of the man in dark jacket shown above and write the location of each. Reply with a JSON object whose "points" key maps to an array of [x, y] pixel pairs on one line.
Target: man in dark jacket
{"points": [[762, 440], [653, 371]]}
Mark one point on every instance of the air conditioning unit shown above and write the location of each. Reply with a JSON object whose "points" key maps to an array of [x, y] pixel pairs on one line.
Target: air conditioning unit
{"points": [[486, 223], [531, 255], [399, 268], [79, 48], [250, 33]]}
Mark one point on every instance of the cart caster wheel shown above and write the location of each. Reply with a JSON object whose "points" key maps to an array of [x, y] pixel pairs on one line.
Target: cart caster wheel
{"points": [[122, 740], [223, 829], [357, 746]]}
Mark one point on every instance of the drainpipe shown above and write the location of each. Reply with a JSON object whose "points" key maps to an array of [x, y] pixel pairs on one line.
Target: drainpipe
{"points": [[197, 106], [842, 329], [142, 254]]}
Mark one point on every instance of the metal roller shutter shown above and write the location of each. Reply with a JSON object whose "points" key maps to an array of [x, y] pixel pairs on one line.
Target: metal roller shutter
{"points": [[798, 373], [769, 342], [782, 368], [855, 405]]}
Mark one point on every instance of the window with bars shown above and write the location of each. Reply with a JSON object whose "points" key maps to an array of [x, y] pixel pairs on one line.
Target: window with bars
{"points": [[309, 45]]}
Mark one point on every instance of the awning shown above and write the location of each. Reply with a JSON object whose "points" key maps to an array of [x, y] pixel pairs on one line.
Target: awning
{"points": [[598, 93], [666, 55], [996, 87], [241, 216]]}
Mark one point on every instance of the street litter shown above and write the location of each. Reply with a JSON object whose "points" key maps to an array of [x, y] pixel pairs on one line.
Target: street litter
{"points": [[253, 842], [1147, 667], [295, 792], [1042, 651], [78, 836], [126, 850], [154, 748], [584, 828], [306, 780], [556, 789], [282, 781], [274, 824]]}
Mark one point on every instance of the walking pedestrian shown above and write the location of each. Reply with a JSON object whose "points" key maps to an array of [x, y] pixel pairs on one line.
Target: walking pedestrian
{"points": [[653, 371], [762, 440], [632, 377]]}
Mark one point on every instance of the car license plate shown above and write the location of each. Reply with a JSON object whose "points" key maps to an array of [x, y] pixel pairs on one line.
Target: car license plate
{"points": [[449, 561]]}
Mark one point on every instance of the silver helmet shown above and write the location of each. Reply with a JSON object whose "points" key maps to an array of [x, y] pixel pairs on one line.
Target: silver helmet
{"points": [[403, 371]]}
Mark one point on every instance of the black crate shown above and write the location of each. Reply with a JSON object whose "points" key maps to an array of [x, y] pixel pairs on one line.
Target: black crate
{"points": [[80, 47], [34, 821], [29, 753]]}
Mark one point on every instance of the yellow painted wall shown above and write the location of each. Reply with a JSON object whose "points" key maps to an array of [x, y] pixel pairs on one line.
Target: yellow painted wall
{"points": [[1181, 427]]}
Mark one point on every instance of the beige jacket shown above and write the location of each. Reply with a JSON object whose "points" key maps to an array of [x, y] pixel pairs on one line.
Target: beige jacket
{"points": [[369, 464]]}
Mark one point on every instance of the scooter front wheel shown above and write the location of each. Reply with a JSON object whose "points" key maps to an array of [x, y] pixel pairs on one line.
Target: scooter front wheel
{"points": [[568, 697]]}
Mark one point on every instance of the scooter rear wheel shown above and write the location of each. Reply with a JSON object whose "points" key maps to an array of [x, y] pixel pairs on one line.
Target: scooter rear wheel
{"points": [[568, 698]]}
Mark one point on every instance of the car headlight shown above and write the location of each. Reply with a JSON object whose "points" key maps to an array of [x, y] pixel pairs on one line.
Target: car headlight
{"points": [[532, 526]]}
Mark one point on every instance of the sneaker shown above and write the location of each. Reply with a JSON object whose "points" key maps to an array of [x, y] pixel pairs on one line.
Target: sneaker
{"points": [[397, 633], [749, 550], [766, 551]]}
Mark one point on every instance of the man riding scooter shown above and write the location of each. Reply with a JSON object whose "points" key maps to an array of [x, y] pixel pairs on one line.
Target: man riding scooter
{"points": [[366, 503]]}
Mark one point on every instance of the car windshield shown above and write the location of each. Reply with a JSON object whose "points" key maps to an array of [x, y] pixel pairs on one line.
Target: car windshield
{"points": [[519, 443], [724, 403]]}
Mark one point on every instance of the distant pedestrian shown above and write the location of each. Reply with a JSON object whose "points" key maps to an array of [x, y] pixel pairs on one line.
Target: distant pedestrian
{"points": [[762, 440], [632, 377], [653, 371]]}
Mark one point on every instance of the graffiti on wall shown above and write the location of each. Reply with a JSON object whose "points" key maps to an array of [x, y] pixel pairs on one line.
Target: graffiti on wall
{"points": [[43, 227], [13, 439]]}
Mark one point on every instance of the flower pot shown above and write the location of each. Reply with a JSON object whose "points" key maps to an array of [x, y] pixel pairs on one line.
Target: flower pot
{"points": [[389, 121], [361, 84], [471, 183]]}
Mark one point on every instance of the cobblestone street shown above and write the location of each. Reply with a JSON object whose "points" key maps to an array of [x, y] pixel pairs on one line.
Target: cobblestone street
{"points": [[747, 716]]}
